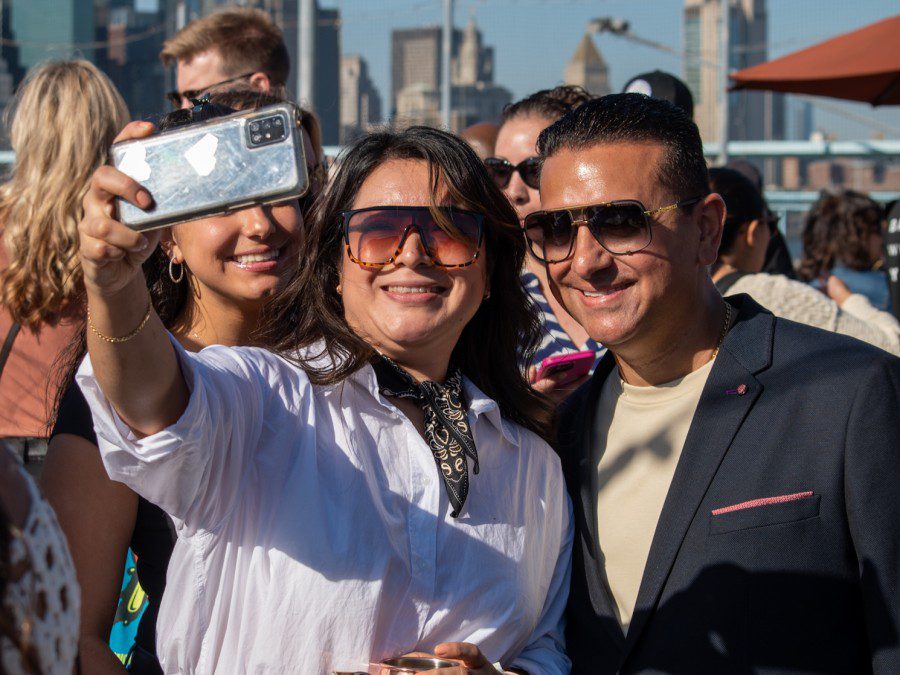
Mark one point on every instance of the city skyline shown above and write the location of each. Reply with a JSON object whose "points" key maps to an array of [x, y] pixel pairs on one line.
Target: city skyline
{"points": [[534, 39], [532, 42]]}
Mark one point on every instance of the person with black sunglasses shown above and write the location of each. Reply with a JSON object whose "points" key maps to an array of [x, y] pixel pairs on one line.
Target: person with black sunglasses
{"points": [[748, 228], [376, 475], [227, 49], [733, 473], [516, 169]]}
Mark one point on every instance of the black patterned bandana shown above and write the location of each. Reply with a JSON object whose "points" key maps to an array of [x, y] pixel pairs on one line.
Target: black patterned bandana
{"points": [[447, 429]]}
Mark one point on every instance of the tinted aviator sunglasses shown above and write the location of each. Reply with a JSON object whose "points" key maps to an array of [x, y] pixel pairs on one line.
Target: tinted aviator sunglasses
{"points": [[375, 236], [621, 227], [501, 171]]}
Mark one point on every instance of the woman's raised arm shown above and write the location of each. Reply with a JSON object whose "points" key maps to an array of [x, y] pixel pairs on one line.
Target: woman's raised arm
{"points": [[132, 357]]}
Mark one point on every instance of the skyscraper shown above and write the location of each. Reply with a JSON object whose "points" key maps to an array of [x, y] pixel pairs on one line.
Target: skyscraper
{"points": [[360, 102], [130, 33], [416, 78], [752, 115], [587, 69], [327, 102], [47, 29], [416, 59]]}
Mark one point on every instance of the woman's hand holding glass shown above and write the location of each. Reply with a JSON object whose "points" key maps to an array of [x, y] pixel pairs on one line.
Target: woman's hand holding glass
{"points": [[471, 660]]}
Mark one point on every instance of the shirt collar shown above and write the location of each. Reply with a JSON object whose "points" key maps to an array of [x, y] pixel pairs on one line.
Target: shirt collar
{"points": [[480, 404]]}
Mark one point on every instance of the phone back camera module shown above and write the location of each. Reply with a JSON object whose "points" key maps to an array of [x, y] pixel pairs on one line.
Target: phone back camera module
{"points": [[266, 130]]}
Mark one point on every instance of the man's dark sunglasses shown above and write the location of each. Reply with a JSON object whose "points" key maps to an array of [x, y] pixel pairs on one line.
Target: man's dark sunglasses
{"points": [[375, 236], [501, 171], [176, 97], [621, 227]]}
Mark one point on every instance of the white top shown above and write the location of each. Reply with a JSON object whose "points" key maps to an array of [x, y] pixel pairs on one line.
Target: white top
{"points": [[314, 533], [41, 599]]}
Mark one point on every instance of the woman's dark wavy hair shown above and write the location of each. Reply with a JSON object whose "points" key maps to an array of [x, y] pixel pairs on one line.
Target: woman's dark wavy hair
{"points": [[550, 104], [305, 322], [837, 231], [168, 298]]}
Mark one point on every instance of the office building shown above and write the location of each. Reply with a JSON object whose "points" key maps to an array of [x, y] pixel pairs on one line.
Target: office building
{"points": [[753, 115], [327, 87], [416, 58], [129, 39], [587, 69], [416, 78], [360, 101], [46, 29]]}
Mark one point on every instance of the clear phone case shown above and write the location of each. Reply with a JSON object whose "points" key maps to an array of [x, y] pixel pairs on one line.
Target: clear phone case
{"points": [[224, 164]]}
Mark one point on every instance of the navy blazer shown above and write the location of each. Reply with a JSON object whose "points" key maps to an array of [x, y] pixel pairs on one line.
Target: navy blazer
{"points": [[806, 584]]}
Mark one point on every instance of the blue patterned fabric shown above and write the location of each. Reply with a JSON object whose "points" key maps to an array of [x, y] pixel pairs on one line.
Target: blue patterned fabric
{"points": [[132, 603], [555, 340]]}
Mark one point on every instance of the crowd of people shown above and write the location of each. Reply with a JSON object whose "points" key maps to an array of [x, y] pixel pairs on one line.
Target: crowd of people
{"points": [[369, 444]]}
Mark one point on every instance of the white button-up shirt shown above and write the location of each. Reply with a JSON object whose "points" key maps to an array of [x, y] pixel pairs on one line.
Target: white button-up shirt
{"points": [[314, 532]]}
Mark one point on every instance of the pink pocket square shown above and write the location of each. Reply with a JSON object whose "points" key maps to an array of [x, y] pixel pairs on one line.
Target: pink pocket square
{"points": [[765, 501]]}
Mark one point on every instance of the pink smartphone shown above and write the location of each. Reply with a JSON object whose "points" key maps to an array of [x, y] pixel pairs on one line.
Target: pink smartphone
{"points": [[575, 365]]}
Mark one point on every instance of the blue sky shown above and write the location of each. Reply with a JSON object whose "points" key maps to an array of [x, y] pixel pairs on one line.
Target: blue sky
{"points": [[533, 40]]}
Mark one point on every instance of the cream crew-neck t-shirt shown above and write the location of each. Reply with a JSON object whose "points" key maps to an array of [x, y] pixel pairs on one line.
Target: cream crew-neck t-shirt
{"points": [[638, 436]]}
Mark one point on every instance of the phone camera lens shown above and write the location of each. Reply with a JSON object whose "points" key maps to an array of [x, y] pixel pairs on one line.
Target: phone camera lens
{"points": [[256, 138], [254, 127]]}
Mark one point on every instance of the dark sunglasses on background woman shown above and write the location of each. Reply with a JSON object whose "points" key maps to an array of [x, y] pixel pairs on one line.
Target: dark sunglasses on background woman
{"points": [[501, 171]]}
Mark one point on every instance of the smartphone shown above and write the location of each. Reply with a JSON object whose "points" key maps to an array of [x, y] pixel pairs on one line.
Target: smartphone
{"points": [[224, 164], [575, 366]]}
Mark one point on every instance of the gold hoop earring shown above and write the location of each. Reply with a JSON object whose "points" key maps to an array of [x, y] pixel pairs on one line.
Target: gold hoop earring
{"points": [[180, 271]]}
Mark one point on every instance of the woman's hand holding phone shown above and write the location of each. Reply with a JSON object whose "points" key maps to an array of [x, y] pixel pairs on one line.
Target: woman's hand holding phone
{"points": [[130, 352], [560, 375], [112, 253]]}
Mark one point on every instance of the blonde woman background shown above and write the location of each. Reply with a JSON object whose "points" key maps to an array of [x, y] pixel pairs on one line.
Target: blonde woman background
{"points": [[64, 117]]}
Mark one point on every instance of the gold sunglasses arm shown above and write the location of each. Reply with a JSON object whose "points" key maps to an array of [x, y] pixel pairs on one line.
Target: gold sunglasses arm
{"points": [[662, 209], [670, 207]]}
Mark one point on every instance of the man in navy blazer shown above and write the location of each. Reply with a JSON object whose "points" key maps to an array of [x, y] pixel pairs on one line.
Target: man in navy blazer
{"points": [[735, 476]]}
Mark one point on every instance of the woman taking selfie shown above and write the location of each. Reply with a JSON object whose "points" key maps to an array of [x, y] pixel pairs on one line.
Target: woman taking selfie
{"points": [[205, 291], [377, 480], [516, 170]]}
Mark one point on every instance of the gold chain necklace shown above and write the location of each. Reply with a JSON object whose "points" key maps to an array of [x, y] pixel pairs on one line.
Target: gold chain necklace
{"points": [[724, 331]]}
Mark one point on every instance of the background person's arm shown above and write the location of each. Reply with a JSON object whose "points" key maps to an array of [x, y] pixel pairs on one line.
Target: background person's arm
{"points": [[855, 308], [97, 515]]}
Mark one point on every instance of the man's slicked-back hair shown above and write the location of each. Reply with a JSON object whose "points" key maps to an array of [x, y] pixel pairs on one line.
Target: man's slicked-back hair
{"points": [[636, 118]]}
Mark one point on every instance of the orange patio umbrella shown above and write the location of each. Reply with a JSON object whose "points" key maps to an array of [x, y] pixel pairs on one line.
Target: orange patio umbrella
{"points": [[863, 65]]}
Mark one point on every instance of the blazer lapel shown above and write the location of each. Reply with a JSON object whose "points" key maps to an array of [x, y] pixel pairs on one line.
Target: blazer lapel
{"points": [[583, 470], [728, 396]]}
